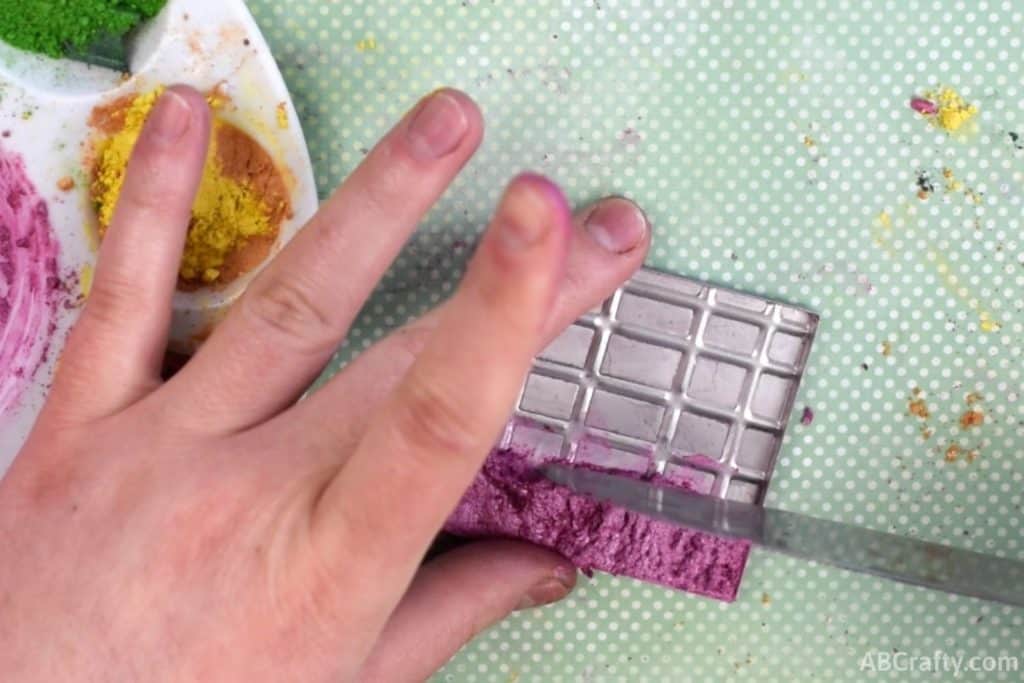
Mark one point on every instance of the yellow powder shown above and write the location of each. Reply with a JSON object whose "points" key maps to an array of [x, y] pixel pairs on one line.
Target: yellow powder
{"points": [[85, 279], [953, 111], [227, 212]]}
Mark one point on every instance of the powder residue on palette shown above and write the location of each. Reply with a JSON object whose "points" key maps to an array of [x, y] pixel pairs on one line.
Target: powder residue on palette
{"points": [[239, 208], [510, 498], [31, 290]]}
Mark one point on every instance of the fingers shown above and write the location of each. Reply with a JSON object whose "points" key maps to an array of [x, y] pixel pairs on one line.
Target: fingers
{"points": [[458, 595], [114, 354], [287, 325], [430, 436], [609, 242]]}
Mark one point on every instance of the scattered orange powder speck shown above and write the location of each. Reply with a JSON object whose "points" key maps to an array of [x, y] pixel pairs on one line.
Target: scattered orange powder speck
{"points": [[927, 433], [918, 408], [972, 418], [66, 184], [953, 453], [973, 454]]}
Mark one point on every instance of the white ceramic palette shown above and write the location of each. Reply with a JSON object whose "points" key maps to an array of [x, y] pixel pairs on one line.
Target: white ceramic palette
{"points": [[44, 118]]}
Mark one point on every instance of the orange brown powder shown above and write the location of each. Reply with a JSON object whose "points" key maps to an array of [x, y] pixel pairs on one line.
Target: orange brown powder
{"points": [[918, 408], [972, 418], [241, 203]]}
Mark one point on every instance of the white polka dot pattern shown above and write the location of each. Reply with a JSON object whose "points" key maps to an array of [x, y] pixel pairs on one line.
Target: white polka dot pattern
{"points": [[773, 145]]}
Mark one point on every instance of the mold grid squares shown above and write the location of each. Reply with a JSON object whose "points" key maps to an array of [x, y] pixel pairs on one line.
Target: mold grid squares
{"points": [[670, 369]]}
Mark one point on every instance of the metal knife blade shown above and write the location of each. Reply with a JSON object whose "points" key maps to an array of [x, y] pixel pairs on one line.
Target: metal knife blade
{"points": [[899, 558]]}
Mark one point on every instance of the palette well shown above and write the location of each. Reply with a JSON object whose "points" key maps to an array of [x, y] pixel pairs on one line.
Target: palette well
{"points": [[48, 136]]}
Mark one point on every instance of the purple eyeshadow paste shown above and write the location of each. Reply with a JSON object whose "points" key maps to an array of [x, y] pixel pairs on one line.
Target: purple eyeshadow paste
{"points": [[510, 498], [30, 288]]}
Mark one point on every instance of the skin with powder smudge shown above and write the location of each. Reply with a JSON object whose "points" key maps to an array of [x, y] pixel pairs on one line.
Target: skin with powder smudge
{"points": [[30, 288]]}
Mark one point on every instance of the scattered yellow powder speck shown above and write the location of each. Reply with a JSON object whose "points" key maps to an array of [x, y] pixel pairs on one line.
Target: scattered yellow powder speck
{"points": [[989, 325], [282, 115], [974, 398], [766, 599], [809, 141], [887, 348], [367, 44], [952, 184], [953, 111], [973, 454], [218, 97], [927, 432], [953, 453], [885, 220], [85, 279]]}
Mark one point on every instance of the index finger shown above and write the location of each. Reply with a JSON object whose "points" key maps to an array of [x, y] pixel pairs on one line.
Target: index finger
{"points": [[422, 450]]}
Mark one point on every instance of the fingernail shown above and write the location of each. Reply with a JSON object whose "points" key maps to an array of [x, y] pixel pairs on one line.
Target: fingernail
{"points": [[617, 225], [526, 215], [437, 128], [551, 589], [170, 117]]}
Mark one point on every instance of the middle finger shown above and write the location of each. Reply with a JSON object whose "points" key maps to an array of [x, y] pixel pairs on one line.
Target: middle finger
{"points": [[609, 243], [286, 326]]}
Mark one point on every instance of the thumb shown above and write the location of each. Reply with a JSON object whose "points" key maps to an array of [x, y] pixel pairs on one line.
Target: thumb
{"points": [[456, 596]]}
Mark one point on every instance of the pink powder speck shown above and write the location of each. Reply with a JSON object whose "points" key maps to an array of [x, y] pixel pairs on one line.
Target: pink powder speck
{"points": [[510, 498], [807, 417], [923, 106], [30, 287]]}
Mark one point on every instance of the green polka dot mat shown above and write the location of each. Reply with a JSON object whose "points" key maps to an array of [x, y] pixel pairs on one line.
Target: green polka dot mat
{"points": [[775, 148]]}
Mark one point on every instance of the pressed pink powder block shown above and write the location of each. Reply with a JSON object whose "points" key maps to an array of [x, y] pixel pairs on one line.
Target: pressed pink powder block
{"points": [[510, 498]]}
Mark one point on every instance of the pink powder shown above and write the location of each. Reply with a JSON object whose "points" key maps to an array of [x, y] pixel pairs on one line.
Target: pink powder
{"points": [[30, 289], [510, 498], [807, 417], [923, 106]]}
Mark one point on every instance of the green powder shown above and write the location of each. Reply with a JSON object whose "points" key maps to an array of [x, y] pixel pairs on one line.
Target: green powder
{"points": [[55, 27]]}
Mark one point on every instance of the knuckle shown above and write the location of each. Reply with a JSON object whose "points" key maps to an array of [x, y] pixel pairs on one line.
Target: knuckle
{"points": [[430, 422], [285, 308]]}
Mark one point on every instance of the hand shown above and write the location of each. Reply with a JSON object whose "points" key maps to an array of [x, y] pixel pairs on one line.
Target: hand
{"points": [[210, 527]]}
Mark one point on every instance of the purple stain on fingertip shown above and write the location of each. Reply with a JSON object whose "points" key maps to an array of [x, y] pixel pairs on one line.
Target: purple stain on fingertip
{"points": [[552, 190]]}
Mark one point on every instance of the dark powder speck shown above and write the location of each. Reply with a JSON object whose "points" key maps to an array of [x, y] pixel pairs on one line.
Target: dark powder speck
{"points": [[924, 182]]}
